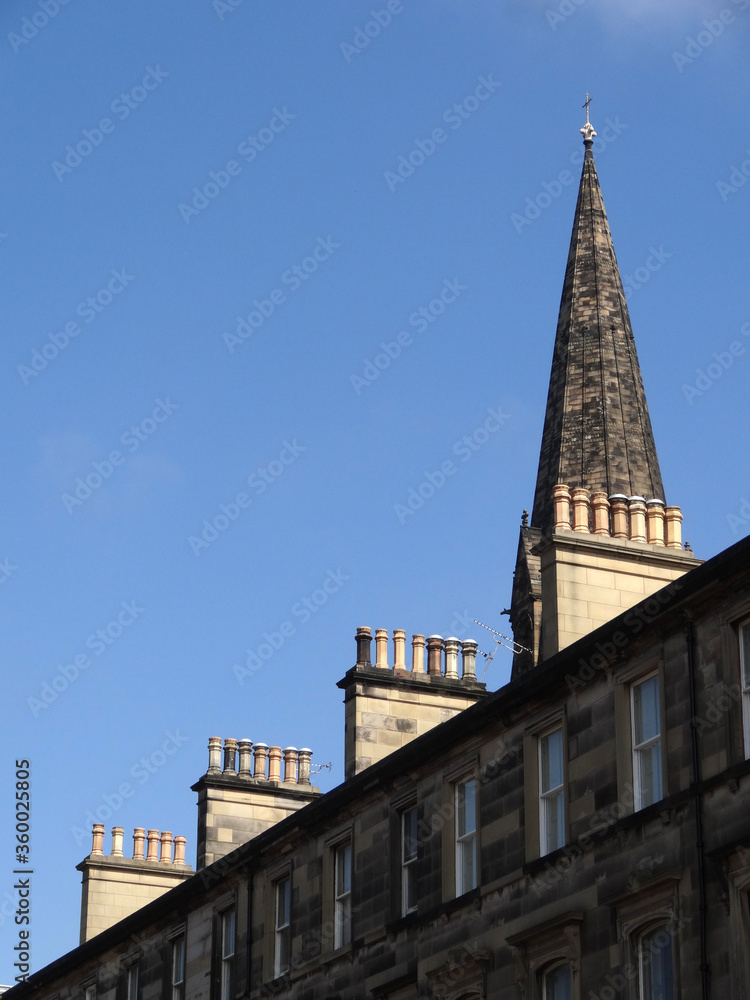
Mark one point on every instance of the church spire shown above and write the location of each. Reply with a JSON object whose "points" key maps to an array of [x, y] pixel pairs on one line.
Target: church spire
{"points": [[597, 431]]}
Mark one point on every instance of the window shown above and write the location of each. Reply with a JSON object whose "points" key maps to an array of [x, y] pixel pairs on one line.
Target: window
{"points": [[556, 984], [745, 668], [551, 792], [178, 968], [466, 836], [131, 982], [342, 895], [655, 965], [282, 927], [646, 716], [226, 974], [89, 993], [408, 861]]}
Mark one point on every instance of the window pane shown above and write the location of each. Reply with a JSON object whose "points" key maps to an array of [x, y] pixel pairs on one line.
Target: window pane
{"points": [[343, 869], [656, 965], [649, 762], [745, 654], [557, 984], [554, 817], [468, 865], [282, 903], [409, 835], [646, 709], [466, 807], [552, 760]]}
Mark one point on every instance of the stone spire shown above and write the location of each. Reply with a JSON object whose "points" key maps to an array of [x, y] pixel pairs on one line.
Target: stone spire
{"points": [[597, 431]]}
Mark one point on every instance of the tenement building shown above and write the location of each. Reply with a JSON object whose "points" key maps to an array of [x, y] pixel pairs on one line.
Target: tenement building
{"points": [[581, 834]]}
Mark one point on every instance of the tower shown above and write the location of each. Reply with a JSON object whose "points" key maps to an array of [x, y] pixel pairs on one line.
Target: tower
{"points": [[601, 536]]}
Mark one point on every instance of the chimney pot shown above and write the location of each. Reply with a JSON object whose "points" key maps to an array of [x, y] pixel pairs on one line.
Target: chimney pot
{"points": [[179, 850], [153, 845], [260, 753], [246, 756], [600, 507], [417, 654], [274, 763], [117, 835], [381, 648], [561, 501], [166, 846], [139, 836], [364, 641], [230, 753], [581, 509], [469, 651], [399, 649], [451, 657], [97, 838], [304, 766], [290, 765], [674, 527], [637, 509], [655, 521], [435, 655], [618, 504], [214, 755]]}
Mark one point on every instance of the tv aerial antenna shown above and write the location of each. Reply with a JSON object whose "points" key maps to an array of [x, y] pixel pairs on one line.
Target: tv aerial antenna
{"points": [[317, 768], [500, 640]]}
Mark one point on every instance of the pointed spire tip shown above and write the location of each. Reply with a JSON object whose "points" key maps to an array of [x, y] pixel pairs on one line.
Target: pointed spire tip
{"points": [[588, 131]]}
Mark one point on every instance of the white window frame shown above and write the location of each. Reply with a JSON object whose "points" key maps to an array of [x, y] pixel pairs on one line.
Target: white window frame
{"points": [[342, 894], [642, 966], [131, 982], [743, 635], [409, 854], [228, 938], [282, 937], [89, 992], [466, 841], [639, 749], [178, 968], [550, 797], [546, 994]]}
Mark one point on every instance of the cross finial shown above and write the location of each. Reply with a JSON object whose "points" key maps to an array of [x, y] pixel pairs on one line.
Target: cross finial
{"points": [[588, 132]]}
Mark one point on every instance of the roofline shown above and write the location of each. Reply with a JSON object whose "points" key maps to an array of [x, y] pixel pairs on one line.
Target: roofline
{"points": [[713, 571]]}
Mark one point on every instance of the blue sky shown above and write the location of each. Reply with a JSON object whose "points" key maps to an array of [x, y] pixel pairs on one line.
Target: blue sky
{"points": [[206, 242]]}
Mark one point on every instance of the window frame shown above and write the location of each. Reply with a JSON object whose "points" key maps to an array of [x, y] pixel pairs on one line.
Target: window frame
{"points": [[547, 972], [743, 638], [342, 896], [546, 795], [469, 837], [639, 749], [226, 977], [642, 936], [177, 986], [282, 932], [132, 984], [408, 866]]}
